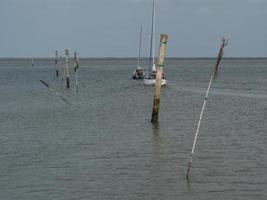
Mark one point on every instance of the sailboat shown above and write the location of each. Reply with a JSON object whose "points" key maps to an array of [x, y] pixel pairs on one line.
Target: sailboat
{"points": [[139, 72], [150, 79]]}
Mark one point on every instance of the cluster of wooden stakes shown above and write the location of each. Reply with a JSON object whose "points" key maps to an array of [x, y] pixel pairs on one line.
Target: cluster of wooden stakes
{"points": [[66, 68], [66, 74], [156, 99]]}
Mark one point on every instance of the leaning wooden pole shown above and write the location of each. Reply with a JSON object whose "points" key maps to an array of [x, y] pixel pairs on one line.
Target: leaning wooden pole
{"points": [[67, 73], [56, 63], [53, 90], [160, 65], [214, 75]]}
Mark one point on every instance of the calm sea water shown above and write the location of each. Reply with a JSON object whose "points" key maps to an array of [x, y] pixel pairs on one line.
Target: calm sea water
{"points": [[103, 146]]}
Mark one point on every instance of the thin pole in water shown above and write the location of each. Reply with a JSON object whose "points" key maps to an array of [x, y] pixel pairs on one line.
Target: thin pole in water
{"points": [[56, 63], [67, 74], [76, 69], [214, 75], [160, 65]]}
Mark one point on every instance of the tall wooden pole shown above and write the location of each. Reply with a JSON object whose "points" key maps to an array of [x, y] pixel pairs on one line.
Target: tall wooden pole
{"points": [[160, 65], [56, 63], [67, 68]]}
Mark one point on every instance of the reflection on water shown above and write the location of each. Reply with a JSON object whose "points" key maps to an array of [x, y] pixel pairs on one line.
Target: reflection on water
{"points": [[156, 176], [156, 140]]}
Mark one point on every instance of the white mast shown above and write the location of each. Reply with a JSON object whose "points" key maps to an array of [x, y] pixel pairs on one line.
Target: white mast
{"points": [[140, 43], [153, 44], [152, 53]]}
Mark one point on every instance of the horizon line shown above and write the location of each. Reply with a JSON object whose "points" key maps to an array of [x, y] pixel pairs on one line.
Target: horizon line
{"points": [[120, 58]]}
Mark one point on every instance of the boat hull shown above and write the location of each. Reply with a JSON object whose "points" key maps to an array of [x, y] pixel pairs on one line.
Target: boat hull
{"points": [[137, 77], [153, 82]]}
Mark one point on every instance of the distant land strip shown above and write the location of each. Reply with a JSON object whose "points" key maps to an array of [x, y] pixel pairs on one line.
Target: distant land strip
{"points": [[133, 58]]}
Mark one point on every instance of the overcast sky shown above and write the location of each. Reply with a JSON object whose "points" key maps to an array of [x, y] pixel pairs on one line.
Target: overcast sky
{"points": [[110, 28]]}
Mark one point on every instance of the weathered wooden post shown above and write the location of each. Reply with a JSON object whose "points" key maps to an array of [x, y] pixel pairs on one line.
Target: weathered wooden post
{"points": [[160, 65], [56, 63], [67, 68]]}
